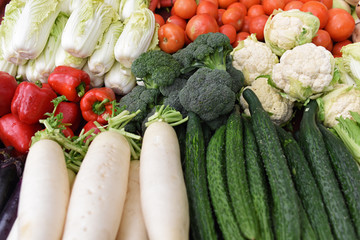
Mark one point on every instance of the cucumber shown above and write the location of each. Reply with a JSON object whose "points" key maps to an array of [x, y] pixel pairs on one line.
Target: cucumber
{"points": [[313, 146], [285, 207], [215, 166], [201, 217], [307, 231], [236, 177], [306, 186], [257, 182], [347, 173]]}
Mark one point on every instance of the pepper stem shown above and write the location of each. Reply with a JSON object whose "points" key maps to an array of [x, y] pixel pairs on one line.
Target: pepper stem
{"points": [[80, 89], [99, 107]]}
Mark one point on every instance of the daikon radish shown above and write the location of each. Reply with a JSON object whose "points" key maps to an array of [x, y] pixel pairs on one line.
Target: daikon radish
{"points": [[162, 188], [44, 193], [99, 191], [132, 226], [13, 234]]}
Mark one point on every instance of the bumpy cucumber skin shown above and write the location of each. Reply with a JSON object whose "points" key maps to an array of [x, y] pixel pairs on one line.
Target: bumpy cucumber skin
{"points": [[306, 186], [285, 206], [313, 146], [236, 177], [347, 173], [201, 217], [215, 166], [257, 182]]}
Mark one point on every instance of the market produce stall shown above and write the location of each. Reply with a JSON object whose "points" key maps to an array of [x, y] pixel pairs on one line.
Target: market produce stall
{"points": [[184, 119]]}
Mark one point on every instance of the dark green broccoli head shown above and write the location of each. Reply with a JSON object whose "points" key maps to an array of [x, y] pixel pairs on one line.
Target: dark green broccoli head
{"points": [[208, 50], [177, 85], [156, 68], [173, 100], [208, 93], [236, 75]]}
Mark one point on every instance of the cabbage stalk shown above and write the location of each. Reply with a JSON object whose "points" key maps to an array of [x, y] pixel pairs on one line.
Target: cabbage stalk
{"points": [[41, 67], [33, 27], [285, 30], [350, 61], [64, 58], [127, 7], [86, 26], [103, 57], [12, 13], [95, 81], [120, 79], [139, 35], [114, 3]]}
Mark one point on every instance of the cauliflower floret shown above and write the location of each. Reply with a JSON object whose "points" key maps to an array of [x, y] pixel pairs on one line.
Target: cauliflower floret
{"points": [[285, 30], [253, 58], [304, 72], [339, 102], [279, 108]]}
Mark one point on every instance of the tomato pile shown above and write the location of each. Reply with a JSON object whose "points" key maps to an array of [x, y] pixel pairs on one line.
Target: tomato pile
{"points": [[184, 20]]}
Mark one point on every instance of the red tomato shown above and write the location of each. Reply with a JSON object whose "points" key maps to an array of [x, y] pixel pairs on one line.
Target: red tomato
{"points": [[220, 13], [336, 51], [234, 17], [239, 37], [293, 5], [159, 19], [340, 24], [185, 8], [327, 3], [213, 1], [318, 9], [256, 10], [171, 37], [245, 27], [201, 24], [257, 25], [249, 3], [241, 7], [271, 5], [207, 7], [225, 3], [323, 38], [228, 30], [177, 20]]}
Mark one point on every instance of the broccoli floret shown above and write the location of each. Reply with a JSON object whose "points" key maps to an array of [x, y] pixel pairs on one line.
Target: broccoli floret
{"points": [[156, 68], [207, 50], [173, 100], [237, 76], [140, 98], [208, 93], [177, 85]]}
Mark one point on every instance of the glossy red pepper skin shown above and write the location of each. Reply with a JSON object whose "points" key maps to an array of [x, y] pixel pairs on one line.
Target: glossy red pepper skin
{"points": [[96, 104], [71, 114], [70, 82], [16, 133], [31, 102], [8, 87]]}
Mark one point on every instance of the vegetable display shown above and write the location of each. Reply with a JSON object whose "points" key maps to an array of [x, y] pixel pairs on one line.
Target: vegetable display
{"points": [[186, 119]]}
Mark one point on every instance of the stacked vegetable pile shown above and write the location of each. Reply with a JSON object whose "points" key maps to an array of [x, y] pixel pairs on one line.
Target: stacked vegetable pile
{"points": [[208, 125]]}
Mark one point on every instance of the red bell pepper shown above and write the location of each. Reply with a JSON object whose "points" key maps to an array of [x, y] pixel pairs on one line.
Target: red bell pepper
{"points": [[71, 114], [96, 104], [8, 87], [70, 82], [90, 125], [16, 133], [30, 102]]}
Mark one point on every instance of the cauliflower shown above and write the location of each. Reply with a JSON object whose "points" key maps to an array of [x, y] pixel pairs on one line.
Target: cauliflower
{"points": [[342, 100], [285, 30], [279, 108], [253, 58], [305, 72]]}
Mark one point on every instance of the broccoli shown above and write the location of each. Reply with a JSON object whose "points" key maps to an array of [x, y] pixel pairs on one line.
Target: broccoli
{"points": [[156, 68], [140, 98], [173, 100], [177, 85], [207, 50], [237, 76], [208, 93]]}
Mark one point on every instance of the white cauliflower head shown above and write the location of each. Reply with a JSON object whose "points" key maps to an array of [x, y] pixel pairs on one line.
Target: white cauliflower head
{"points": [[279, 108], [253, 58], [342, 100], [304, 72], [285, 30]]}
